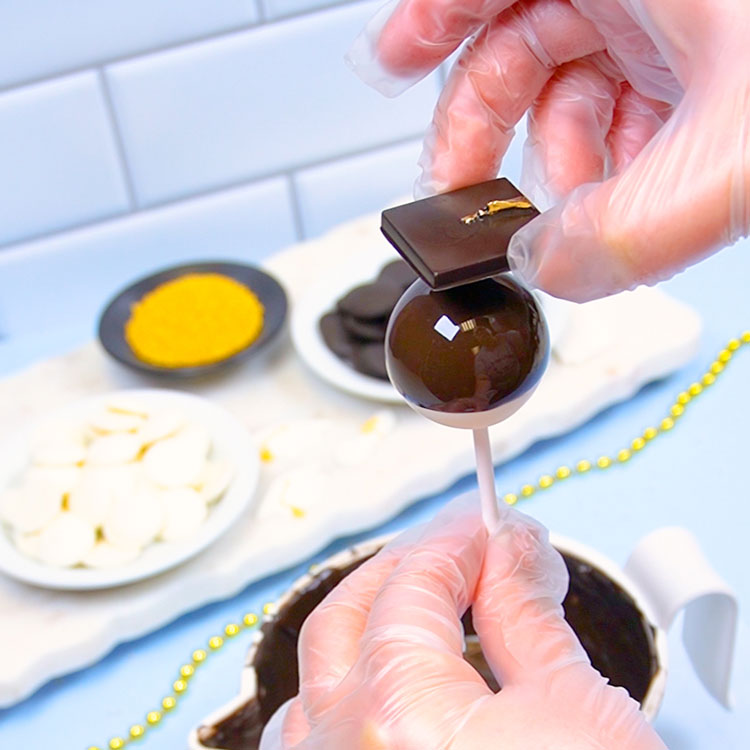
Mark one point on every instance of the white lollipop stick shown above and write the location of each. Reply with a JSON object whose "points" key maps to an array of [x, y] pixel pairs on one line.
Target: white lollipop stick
{"points": [[486, 478]]}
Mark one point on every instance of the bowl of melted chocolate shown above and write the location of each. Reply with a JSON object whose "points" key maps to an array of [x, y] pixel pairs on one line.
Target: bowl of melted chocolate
{"points": [[602, 606]]}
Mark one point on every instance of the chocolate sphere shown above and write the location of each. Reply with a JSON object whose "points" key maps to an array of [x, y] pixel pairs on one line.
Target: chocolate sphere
{"points": [[473, 348]]}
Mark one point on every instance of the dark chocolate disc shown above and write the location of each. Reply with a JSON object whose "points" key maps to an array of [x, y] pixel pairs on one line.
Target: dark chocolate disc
{"points": [[335, 335], [466, 349], [370, 301], [367, 330], [398, 272], [369, 359]]}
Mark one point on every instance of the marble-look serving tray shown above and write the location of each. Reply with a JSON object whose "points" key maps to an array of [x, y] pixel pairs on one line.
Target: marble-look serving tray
{"points": [[355, 478]]}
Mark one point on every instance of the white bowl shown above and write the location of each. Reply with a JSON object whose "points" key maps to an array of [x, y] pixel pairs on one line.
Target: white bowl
{"points": [[231, 441]]}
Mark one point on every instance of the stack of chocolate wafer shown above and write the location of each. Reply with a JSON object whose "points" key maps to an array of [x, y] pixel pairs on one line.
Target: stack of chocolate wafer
{"points": [[355, 330]]}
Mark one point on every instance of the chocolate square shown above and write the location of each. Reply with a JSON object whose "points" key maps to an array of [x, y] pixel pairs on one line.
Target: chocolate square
{"points": [[458, 237]]}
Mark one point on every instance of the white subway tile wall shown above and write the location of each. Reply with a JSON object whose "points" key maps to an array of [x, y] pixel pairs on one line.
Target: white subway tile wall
{"points": [[255, 103], [135, 134], [46, 37], [58, 159]]}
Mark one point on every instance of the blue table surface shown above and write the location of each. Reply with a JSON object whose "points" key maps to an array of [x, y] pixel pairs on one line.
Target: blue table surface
{"points": [[696, 476]]}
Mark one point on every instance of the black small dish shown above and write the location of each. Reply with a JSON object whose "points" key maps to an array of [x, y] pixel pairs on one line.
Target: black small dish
{"points": [[117, 312]]}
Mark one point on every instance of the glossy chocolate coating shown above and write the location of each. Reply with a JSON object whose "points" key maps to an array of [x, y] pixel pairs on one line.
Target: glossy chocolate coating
{"points": [[611, 628], [444, 250], [466, 349]]}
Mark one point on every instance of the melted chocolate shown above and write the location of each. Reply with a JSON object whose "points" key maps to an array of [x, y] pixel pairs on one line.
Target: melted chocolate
{"points": [[445, 249], [616, 636], [466, 349]]}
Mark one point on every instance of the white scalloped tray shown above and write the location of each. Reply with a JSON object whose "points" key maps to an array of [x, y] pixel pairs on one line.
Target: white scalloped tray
{"points": [[610, 349]]}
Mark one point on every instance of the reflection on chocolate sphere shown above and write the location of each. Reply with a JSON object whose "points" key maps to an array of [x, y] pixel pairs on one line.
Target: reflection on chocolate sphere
{"points": [[467, 349]]}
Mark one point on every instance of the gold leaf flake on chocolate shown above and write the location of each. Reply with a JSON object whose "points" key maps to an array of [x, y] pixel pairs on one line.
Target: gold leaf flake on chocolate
{"points": [[495, 207]]}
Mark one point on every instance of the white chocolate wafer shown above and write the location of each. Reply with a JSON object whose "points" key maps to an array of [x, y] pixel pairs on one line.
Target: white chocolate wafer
{"points": [[161, 424], [30, 507], [134, 519], [184, 513], [178, 461], [214, 480], [65, 541], [115, 448], [98, 488]]}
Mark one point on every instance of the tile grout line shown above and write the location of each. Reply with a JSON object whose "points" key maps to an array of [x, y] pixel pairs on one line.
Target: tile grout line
{"points": [[299, 228], [118, 139]]}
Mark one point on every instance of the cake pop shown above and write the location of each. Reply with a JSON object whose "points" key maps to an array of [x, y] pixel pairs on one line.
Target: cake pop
{"points": [[465, 354]]}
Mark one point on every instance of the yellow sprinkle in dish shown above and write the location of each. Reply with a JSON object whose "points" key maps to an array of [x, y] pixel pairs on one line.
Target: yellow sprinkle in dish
{"points": [[196, 319]]}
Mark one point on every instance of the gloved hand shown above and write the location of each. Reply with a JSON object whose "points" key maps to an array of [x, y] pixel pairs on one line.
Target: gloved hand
{"points": [[638, 124], [381, 665]]}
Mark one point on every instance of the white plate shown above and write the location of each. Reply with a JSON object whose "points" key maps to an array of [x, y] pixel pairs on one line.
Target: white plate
{"points": [[230, 440], [320, 299]]}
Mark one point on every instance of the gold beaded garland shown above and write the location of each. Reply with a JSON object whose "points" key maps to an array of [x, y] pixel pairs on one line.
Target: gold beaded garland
{"points": [[199, 656], [250, 619], [137, 730]]}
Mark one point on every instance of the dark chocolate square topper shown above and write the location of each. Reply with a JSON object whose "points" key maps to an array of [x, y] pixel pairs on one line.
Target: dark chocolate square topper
{"points": [[459, 237]]}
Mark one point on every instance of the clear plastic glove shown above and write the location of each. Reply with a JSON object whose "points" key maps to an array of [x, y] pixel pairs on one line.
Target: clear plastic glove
{"points": [[381, 664], [638, 124]]}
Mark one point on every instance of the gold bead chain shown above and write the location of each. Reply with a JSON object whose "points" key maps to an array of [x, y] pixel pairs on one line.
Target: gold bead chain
{"points": [[622, 456]]}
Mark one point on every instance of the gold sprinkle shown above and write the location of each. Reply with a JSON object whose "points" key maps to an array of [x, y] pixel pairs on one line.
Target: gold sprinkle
{"points": [[716, 368], [269, 608], [623, 455], [199, 656], [250, 619], [666, 424], [297, 512], [546, 481], [734, 345], [116, 743], [604, 462], [638, 444], [650, 433], [708, 379], [494, 207], [745, 337], [511, 498], [265, 455], [695, 389], [137, 730], [187, 671], [583, 466], [232, 629], [215, 642], [179, 686], [677, 410], [153, 717], [369, 425], [563, 472], [527, 490], [169, 703], [684, 398], [724, 356]]}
